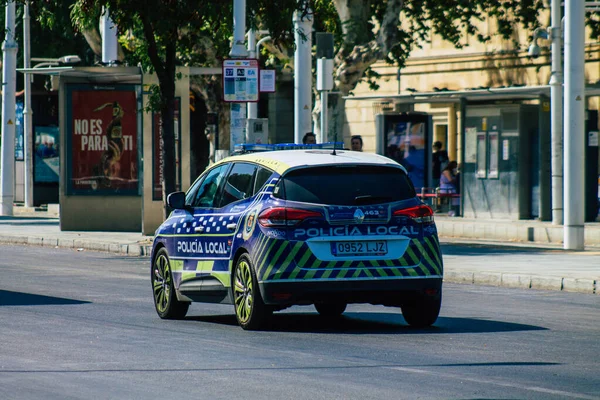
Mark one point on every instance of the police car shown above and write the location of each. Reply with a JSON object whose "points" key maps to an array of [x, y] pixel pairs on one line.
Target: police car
{"points": [[265, 230]]}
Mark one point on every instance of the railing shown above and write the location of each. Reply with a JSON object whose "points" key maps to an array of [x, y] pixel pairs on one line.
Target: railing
{"points": [[439, 199]]}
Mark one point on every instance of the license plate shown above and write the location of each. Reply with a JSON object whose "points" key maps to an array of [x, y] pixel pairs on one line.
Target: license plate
{"points": [[359, 248]]}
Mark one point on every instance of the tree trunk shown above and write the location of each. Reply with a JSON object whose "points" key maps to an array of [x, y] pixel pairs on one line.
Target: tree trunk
{"points": [[211, 89], [199, 145], [167, 110], [356, 55], [94, 40]]}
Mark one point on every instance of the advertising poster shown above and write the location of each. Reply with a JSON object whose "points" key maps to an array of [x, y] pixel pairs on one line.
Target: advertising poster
{"points": [[406, 144], [470, 145], [46, 158], [19, 136], [102, 139], [237, 125], [157, 151]]}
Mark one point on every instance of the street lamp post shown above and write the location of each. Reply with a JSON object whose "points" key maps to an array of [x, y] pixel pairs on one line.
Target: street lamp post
{"points": [[556, 99], [303, 23], [27, 111], [9, 71], [27, 108], [254, 52], [238, 113], [574, 124], [556, 104]]}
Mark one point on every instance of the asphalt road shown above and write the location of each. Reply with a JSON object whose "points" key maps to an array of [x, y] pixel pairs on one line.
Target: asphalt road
{"points": [[81, 325]]}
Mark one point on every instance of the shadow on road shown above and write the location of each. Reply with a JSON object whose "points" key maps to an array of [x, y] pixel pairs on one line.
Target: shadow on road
{"points": [[8, 298], [27, 222], [372, 323], [487, 250]]}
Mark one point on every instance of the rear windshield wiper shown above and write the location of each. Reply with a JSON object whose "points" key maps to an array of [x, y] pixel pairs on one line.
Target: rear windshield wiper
{"points": [[369, 199]]}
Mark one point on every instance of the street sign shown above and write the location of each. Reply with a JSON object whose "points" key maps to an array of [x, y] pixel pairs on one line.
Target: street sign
{"points": [[240, 80], [267, 80]]}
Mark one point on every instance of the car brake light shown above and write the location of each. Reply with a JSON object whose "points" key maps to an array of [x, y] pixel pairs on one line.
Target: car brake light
{"points": [[282, 216], [421, 214]]}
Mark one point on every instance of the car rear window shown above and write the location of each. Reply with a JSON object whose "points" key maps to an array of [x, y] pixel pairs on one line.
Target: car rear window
{"points": [[343, 185]]}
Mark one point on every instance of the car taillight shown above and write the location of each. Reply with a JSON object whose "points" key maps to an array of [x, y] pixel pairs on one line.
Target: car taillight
{"points": [[422, 214], [283, 216]]}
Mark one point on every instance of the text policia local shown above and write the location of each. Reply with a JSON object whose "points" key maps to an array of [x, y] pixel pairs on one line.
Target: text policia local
{"points": [[92, 138]]}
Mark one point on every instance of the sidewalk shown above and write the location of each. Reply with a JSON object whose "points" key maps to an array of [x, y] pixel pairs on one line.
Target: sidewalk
{"points": [[581, 274]]}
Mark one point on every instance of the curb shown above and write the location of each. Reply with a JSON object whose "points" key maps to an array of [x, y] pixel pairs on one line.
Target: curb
{"points": [[520, 233], [498, 279], [517, 281], [132, 250]]}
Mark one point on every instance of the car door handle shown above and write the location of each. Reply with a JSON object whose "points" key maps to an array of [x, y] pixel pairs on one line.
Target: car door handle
{"points": [[231, 227], [199, 229]]}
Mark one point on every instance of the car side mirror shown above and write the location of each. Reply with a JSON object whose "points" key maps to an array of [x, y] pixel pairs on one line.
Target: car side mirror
{"points": [[176, 200]]}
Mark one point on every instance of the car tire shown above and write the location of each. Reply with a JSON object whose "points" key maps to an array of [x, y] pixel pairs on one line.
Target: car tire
{"points": [[165, 299], [330, 309], [250, 309], [422, 311]]}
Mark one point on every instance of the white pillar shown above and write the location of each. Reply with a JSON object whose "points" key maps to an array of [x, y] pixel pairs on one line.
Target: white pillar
{"points": [[9, 76], [239, 29], [556, 99], [252, 107], [27, 111], [237, 124], [302, 75], [260, 42], [324, 117], [109, 38], [574, 124]]}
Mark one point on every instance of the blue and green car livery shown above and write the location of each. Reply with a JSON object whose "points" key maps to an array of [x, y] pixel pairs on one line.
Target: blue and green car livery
{"points": [[267, 230]]}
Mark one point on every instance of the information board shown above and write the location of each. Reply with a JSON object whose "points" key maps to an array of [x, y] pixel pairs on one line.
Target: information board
{"points": [[240, 80]]}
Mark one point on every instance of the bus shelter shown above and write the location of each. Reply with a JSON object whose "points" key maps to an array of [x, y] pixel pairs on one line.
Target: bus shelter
{"points": [[109, 147], [502, 143]]}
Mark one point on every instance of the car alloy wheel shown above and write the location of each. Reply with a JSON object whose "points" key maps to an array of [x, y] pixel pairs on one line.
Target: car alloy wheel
{"points": [[250, 310], [165, 299]]}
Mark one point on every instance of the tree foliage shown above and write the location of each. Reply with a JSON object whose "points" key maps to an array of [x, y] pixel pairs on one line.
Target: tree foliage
{"points": [[162, 34], [52, 34], [389, 30]]}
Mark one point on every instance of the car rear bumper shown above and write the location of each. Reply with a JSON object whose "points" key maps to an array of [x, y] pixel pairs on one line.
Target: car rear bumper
{"points": [[391, 292]]}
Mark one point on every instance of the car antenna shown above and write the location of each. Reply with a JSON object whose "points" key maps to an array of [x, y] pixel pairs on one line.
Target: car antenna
{"points": [[333, 153]]}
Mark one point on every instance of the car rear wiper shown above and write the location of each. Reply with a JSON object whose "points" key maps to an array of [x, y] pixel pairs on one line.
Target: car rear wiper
{"points": [[369, 199]]}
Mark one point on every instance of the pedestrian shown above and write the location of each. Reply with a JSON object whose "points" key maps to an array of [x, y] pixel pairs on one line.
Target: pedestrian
{"points": [[356, 143], [449, 185], [309, 138], [440, 160]]}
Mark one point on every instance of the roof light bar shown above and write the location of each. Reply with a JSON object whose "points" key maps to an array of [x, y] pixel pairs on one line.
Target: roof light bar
{"points": [[252, 148]]}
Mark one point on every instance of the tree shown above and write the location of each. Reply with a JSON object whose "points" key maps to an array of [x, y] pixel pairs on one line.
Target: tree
{"points": [[162, 34], [377, 30], [52, 36], [370, 31]]}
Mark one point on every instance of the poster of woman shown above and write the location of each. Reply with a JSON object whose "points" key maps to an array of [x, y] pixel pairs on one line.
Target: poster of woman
{"points": [[102, 127]]}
